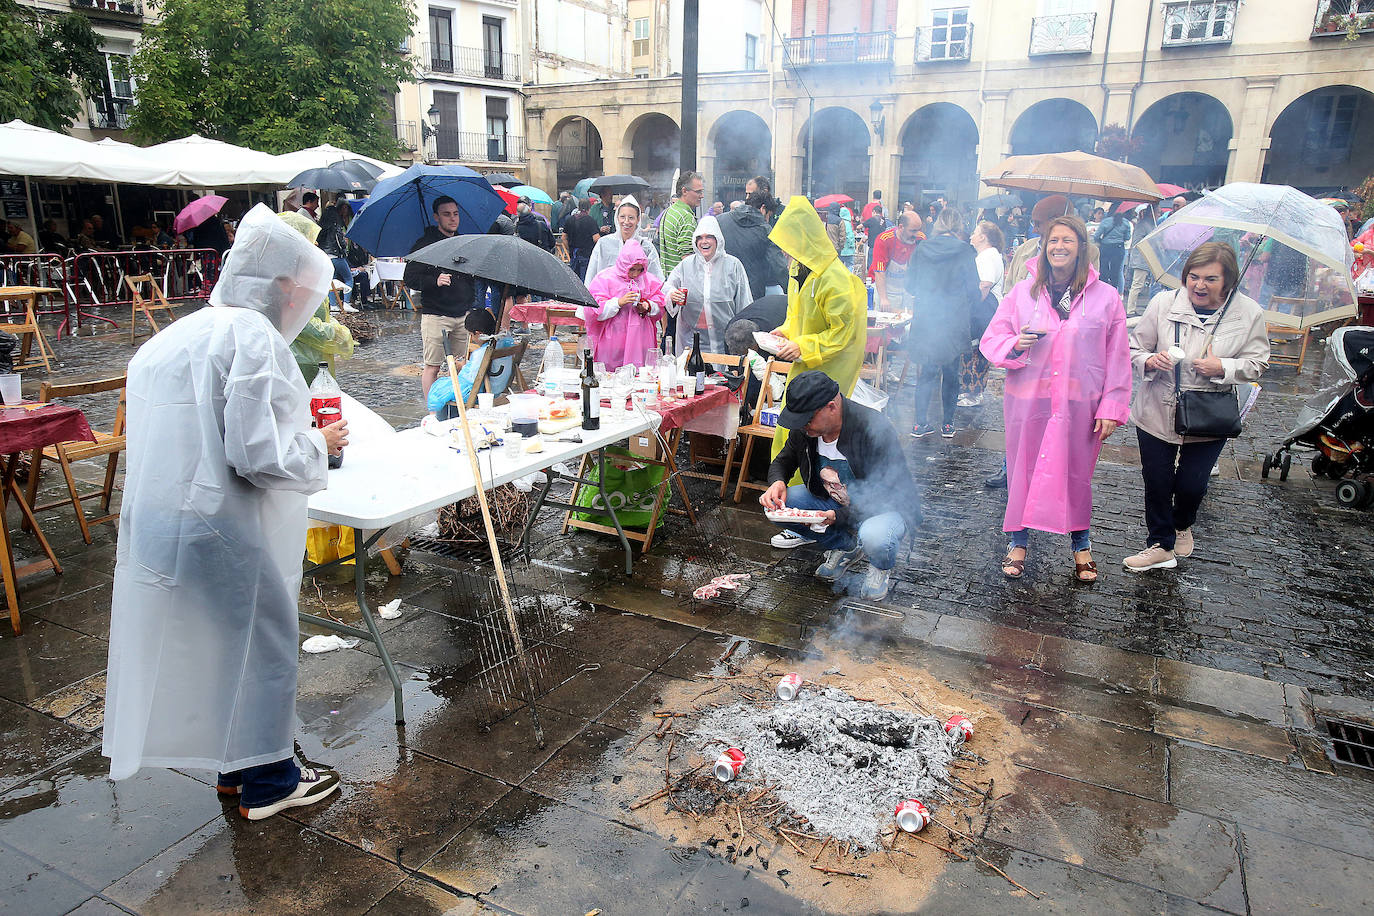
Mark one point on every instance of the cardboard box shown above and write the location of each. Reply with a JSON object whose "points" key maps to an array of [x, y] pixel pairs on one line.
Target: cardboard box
{"points": [[645, 445], [768, 416]]}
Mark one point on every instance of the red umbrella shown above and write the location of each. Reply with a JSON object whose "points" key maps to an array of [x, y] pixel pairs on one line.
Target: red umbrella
{"points": [[198, 211], [510, 199], [1171, 190], [827, 200], [1126, 205]]}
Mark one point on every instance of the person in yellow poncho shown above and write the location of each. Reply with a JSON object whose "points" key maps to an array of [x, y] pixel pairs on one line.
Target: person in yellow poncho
{"points": [[827, 306]]}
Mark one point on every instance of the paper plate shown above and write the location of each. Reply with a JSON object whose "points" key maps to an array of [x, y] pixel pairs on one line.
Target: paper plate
{"points": [[767, 342]]}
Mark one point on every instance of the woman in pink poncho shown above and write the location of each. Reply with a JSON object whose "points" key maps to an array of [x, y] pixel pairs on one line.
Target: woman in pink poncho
{"points": [[1061, 335], [629, 306]]}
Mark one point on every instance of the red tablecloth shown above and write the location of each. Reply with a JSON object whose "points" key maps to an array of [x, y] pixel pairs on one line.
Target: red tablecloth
{"points": [[678, 411], [28, 427], [537, 311]]}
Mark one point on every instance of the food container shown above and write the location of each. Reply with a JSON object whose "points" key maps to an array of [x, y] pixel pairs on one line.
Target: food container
{"points": [[1176, 354], [729, 763], [524, 407], [961, 725], [789, 686], [768, 416], [912, 816]]}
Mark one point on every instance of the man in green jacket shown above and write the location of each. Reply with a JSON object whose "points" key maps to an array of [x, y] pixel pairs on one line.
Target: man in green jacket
{"points": [[678, 225]]}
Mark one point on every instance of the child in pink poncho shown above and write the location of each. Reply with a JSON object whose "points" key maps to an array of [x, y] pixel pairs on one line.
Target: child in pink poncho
{"points": [[624, 326]]}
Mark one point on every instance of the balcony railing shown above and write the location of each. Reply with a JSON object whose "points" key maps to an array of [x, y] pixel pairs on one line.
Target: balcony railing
{"points": [[840, 48], [113, 115], [1334, 18], [120, 7], [1068, 34], [936, 43], [475, 146], [455, 60], [408, 133], [1199, 22]]}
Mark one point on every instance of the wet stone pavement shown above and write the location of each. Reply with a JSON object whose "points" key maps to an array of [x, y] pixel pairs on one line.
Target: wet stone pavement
{"points": [[1173, 760]]}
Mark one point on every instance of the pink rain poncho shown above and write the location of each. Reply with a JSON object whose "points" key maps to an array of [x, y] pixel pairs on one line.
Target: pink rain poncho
{"points": [[1078, 373], [621, 336]]}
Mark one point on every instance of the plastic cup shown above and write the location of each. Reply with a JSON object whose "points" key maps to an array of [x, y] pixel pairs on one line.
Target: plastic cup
{"points": [[1176, 354], [9, 388], [514, 444], [485, 400]]}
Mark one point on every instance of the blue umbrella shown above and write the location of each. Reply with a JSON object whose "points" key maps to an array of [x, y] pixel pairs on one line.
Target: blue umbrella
{"points": [[535, 195], [399, 209]]}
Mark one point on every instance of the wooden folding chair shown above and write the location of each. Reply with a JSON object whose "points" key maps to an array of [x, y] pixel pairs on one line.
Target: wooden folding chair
{"points": [[1283, 339], [483, 380], [755, 430], [157, 300], [695, 454], [557, 317], [107, 445]]}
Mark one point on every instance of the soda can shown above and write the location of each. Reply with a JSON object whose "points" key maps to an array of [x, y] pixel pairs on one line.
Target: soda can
{"points": [[912, 816], [789, 686], [729, 763], [960, 724], [324, 416]]}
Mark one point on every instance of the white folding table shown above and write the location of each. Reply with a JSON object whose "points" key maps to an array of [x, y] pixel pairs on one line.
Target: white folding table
{"points": [[399, 476]]}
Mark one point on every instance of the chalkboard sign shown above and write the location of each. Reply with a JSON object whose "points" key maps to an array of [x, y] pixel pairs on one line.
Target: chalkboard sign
{"points": [[12, 188], [16, 209]]}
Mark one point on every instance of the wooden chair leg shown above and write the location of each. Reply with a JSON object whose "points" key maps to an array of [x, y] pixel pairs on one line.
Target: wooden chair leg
{"points": [[133, 323], [744, 467], [76, 500], [393, 566], [725, 473], [107, 493], [35, 463]]}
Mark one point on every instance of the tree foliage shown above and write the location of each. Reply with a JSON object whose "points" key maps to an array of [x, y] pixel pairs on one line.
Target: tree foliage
{"points": [[52, 64], [277, 75], [1115, 143]]}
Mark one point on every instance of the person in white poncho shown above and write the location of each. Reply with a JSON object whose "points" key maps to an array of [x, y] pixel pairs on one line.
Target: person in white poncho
{"points": [[626, 228], [706, 290], [221, 457]]}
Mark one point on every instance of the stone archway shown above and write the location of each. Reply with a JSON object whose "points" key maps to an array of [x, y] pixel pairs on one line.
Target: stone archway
{"points": [[1323, 140], [578, 144], [742, 145], [654, 142], [840, 151], [1184, 139], [939, 155], [1054, 126]]}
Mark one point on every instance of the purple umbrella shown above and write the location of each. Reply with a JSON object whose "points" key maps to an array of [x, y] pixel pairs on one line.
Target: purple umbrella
{"points": [[198, 211]]}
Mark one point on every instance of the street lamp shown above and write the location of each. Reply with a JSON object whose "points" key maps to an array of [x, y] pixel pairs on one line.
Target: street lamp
{"points": [[875, 117], [427, 131]]}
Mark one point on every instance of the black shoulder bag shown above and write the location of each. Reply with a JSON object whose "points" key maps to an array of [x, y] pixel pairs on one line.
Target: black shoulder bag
{"points": [[1211, 414]]}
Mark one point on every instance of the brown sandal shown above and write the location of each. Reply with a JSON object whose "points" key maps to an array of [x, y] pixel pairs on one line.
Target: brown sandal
{"points": [[1019, 566], [1080, 568]]}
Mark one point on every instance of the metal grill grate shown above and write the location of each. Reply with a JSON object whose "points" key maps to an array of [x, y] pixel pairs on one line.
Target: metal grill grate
{"points": [[1352, 743]]}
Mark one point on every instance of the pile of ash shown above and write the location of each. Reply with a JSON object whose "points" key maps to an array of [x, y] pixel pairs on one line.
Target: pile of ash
{"points": [[838, 762]]}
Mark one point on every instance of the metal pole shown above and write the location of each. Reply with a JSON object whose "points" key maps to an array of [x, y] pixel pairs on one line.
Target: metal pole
{"points": [[811, 151], [687, 149]]}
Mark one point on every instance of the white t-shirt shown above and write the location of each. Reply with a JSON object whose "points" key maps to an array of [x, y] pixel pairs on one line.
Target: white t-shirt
{"points": [[829, 450], [991, 269]]}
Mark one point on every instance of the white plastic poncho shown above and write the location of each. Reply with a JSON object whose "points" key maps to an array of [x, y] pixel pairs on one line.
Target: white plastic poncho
{"points": [[221, 456], [720, 283], [608, 247]]}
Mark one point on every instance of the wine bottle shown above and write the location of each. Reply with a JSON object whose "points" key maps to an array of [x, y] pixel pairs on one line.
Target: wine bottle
{"points": [[591, 393], [696, 366]]}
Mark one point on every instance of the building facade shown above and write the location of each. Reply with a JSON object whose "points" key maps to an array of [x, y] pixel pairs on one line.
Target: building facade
{"points": [[919, 98]]}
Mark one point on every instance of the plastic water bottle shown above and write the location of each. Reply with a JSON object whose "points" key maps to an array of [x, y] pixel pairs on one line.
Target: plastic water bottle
{"points": [[553, 368]]}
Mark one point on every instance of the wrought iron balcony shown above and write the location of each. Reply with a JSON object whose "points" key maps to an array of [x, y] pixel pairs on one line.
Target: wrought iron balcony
{"points": [[407, 133], [1199, 22], [1068, 34], [1339, 18], [839, 48], [119, 7], [938, 43], [110, 114], [455, 60], [475, 146]]}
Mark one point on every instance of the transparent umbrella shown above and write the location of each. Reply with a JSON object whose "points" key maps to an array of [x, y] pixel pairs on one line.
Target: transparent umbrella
{"points": [[1293, 251]]}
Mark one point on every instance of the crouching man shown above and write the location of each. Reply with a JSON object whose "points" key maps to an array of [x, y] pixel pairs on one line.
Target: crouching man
{"points": [[853, 469]]}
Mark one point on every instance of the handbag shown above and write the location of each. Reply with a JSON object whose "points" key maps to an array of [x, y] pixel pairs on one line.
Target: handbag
{"points": [[1212, 414]]}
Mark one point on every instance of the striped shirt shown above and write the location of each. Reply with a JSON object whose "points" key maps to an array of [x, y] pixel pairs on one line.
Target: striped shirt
{"points": [[675, 235]]}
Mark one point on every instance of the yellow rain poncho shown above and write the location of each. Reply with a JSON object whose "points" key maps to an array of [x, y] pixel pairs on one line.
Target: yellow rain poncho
{"points": [[827, 314], [323, 338]]}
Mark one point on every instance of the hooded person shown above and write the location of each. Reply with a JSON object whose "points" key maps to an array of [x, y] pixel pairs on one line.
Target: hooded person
{"points": [[624, 325], [707, 289], [827, 306], [626, 227], [323, 337], [221, 458]]}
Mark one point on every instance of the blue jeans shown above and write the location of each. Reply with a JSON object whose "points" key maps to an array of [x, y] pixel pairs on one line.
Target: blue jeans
{"points": [[947, 376], [1080, 540], [264, 784], [879, 535]]}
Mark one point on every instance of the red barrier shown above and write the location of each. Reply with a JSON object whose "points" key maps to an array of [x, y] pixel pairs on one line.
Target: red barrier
{"points": [[97, 277], [39, 270]]}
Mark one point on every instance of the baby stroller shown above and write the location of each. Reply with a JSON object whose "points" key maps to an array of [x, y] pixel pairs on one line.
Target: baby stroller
{"points": [[1338, 421]]}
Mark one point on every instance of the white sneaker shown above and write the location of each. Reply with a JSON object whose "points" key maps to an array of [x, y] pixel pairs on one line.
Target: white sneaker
{"points": [[1183, 543], [1152, 557], [786, 540], [314, 786], [970, 400], [876, 583]]}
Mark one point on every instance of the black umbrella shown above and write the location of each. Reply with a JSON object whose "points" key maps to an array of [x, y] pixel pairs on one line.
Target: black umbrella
{"points": [[330, 178], [505, 179], [1000, 200], [361, 169], [618, 184], [506, 259]]}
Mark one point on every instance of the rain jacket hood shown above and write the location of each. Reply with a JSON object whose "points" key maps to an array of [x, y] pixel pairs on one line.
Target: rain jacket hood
{"points": [[710, 226], [623, 336], [631, 253], [717, 289], [801, 234], [274, 270]]}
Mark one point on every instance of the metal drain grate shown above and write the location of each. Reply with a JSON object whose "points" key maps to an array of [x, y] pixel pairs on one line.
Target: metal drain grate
{"points": [[1352, 743]]}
